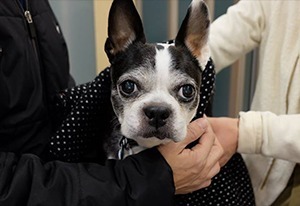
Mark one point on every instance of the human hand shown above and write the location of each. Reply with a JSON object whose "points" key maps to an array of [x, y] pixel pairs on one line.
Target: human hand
{"points": [[194, 168], [226, 130]]}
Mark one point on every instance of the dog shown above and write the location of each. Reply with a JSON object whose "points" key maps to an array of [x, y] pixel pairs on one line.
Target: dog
{"points": [[150, 93], [155, 87]]}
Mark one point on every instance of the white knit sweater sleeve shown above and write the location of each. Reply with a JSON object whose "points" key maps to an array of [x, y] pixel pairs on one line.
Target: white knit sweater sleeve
{"points": [[270, 135], [236, 32]]}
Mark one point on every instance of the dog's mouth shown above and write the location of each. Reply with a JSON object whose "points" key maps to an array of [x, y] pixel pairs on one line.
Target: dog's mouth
{"points": [[153, 138], [157, 134]]}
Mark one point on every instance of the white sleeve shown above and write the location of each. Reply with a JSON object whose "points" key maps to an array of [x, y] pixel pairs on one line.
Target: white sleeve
{"points": [[236, 33], [270, 135]]}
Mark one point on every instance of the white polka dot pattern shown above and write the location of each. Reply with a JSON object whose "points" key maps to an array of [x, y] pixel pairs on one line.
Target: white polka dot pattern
{"points": [[83, 108], [83, 111], [232, 186]]}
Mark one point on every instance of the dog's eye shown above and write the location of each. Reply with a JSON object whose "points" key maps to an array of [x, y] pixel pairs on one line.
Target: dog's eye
{"points": [[127, 87], [187, 92]]}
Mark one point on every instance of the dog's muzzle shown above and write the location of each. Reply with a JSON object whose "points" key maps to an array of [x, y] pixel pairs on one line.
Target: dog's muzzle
{"points": [[157, 116]]}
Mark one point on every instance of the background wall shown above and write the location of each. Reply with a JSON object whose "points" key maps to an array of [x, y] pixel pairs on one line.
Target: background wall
{"points": [[76, 18], [84, 24]]}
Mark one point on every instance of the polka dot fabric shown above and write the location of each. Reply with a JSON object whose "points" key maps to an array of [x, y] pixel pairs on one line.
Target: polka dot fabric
{"points": [[207, 89], [232, 186], [84, 110]]}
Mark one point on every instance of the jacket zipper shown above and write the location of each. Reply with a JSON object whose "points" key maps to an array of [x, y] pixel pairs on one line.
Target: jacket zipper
{"points": [[32, 32], [30, 25], [31, 29], [33, 37], [1, 52]]}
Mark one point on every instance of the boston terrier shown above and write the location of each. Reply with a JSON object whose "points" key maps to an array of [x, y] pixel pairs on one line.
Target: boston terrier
{"points": [[155, 87], [155, 93]]}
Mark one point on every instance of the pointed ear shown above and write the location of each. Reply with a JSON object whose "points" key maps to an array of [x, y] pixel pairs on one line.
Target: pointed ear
{"points": [[124, 27], [194, 32]]}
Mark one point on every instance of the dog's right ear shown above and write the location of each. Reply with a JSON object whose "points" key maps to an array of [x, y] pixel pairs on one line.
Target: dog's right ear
{"points": [[124, 27]]}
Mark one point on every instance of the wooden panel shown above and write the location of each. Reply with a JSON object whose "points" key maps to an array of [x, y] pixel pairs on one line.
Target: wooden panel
{"points": [[101, 10], [172, 18]]}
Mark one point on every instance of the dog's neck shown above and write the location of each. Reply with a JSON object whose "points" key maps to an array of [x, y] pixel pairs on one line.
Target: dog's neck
{"points": [[128, 147]]}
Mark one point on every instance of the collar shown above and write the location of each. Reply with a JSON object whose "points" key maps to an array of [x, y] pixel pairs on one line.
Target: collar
{"points": [[126, 146]]}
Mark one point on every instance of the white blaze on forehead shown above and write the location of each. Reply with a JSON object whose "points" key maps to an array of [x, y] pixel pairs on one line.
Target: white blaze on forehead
{"points": [[195, 3], [163, 61]]}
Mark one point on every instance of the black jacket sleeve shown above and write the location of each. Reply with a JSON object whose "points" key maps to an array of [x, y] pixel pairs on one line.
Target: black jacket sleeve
{"points": [[142, 179]]}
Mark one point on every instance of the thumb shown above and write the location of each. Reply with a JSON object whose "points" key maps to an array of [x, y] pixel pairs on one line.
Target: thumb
{"points": [[194, 130]]}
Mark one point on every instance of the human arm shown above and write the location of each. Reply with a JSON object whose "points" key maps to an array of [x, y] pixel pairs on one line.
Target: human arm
{"points": [[236, 33], [142, 179], [263, 133], [272, 135]]}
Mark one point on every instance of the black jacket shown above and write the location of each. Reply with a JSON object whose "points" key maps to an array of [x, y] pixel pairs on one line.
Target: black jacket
{"points": [[140, 180], [33, 67]]}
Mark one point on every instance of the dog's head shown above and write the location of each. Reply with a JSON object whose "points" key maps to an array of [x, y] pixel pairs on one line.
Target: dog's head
{"points": [[156, 87]]}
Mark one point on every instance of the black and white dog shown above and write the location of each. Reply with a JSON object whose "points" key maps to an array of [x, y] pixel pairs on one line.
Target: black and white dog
{"points": [[155, 93], [155, 87]]}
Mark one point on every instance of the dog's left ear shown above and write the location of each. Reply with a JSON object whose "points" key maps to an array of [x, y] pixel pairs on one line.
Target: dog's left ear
{"points": [[194, 32], [124, 27]]}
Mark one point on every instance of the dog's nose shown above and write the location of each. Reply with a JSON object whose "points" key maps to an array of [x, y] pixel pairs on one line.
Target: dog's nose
{"points": [[157, 115]]}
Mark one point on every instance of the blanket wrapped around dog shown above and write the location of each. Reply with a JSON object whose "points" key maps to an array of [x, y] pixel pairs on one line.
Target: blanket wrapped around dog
{"points": [[84, 113]]}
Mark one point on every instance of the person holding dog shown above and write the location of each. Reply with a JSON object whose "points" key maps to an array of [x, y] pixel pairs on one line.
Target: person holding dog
{"points": [[34, 67], [269, 139]]}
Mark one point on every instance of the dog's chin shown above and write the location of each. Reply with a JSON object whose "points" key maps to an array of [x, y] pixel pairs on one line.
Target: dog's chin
{"points": [[151, 141], [148, 137]]}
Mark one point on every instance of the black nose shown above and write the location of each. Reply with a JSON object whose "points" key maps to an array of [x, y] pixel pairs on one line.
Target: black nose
{"points": [[157, 115]]}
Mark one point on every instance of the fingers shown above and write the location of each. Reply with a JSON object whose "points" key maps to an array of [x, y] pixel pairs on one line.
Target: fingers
{"points": [[210, 169], [194, 131], [213, 158], [226, 131], [213, 172], [216, 153], [209, 151], [194, 168], [202, 181], [206, 142], [224, 160]]}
